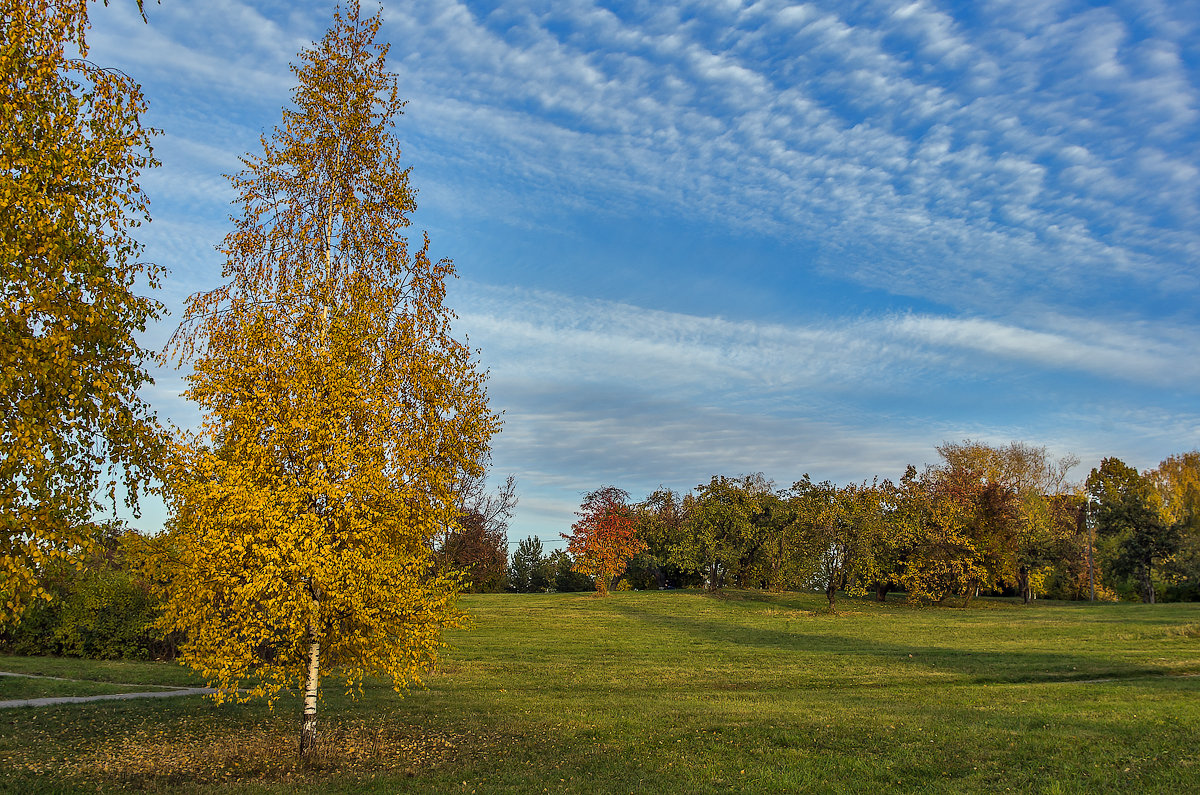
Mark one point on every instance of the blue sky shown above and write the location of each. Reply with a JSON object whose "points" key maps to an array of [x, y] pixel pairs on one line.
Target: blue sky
{"points": [[723, 237]]}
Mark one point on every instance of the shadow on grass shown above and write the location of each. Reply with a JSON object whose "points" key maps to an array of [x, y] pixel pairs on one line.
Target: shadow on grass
{"points": [[975, 667]]}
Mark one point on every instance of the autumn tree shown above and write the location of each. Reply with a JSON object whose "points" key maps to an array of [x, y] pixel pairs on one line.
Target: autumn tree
{"points": [[340, 412], [942, 558], [1023, 522], [605, 537], [1177, 481], [477, 543], [74, 433], [480, 553]]}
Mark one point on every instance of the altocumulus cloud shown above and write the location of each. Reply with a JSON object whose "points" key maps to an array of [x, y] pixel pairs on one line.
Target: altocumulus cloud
{"points": [[1000, 162]]}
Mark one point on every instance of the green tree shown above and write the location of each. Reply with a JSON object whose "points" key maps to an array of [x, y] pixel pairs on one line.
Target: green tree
{"points": [[72, 425], [566, 577], [530, 570], [720, 531], [1128, 512], [340, 412], [661, 520], [843, 531]]}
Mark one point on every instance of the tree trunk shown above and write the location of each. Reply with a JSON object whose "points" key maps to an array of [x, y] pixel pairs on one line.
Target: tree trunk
{"points": [[1023, 583], [881, 591], [1091, 551], [308, 723], [831, 592]]}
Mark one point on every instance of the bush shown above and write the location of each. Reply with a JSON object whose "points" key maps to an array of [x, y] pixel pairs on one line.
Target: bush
{"points": [[1182, 592], [98, 610]]}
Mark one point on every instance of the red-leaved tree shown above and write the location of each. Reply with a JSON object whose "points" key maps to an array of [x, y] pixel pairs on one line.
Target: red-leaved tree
{"points": [[605, 537]]}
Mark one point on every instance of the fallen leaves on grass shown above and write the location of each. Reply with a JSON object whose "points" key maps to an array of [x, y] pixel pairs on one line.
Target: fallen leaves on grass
{"points": [[196, 754]]}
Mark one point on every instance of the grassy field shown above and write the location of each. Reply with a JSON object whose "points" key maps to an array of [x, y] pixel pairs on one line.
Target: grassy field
{"points": [[682, 692]]}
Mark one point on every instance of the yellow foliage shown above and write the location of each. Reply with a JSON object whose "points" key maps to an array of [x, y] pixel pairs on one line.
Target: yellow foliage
{"points": [[72, 422], [339, 408]]}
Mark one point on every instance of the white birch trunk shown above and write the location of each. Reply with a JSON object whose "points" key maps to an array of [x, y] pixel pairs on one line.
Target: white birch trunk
{"points": [[308, 723]]}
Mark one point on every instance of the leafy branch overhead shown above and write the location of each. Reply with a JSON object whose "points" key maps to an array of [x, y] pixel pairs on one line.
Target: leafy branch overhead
{"points": [[74, 431]]}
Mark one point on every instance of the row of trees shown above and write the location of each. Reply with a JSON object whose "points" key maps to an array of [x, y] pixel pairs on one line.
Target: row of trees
{"points": [[986, 519]]}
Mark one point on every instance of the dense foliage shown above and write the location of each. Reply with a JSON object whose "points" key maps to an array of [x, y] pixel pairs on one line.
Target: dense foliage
{"points": [[102, 606], [987, 519], [73, 429], [605, 537]]}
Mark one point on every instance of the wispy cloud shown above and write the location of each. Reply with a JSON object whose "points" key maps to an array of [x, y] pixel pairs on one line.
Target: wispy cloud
{"points": [[586, 340]]}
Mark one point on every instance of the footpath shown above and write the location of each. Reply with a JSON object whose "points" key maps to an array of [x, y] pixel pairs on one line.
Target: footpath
{"points": [[163, 691]]}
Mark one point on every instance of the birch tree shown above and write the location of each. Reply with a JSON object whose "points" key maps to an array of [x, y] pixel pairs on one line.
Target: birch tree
{"points": [[73, 430], [340, 410]]}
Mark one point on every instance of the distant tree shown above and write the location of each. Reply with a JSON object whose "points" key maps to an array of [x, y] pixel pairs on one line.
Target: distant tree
{"points": [[605, 537], [530, 571], [843, 530], [74, 428], [1128, 511], [494, 508], [481, 554], [939, 519], [1020, 524], [477, 542], [1177, 481], [720, 530], [661, 519], [891, 543], [775, 556], [566, 578]]}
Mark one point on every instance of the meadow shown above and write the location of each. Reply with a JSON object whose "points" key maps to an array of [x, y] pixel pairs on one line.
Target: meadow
{"points": [[680, 692]]}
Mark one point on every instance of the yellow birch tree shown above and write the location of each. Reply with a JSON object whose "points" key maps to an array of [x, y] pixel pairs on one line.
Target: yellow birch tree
{"points": [[72, 426], [340, 411]]}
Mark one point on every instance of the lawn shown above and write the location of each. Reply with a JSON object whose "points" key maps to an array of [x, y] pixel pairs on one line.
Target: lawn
{"points": [[684, 692]]}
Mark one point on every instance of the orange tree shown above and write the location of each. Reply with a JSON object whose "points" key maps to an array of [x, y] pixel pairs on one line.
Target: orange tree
{"points": [[73, 427], [605, 537], [340, 412]]}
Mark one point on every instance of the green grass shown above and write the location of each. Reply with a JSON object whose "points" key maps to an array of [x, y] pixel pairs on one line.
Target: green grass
{"points": [[12, 688], [681, 692], [123, 671]]}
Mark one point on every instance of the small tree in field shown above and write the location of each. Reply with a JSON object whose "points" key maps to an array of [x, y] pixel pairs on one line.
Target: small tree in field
{"points": [[340, 411], [605, 537]]}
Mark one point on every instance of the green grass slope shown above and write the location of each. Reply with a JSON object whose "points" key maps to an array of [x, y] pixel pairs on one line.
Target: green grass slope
{"points": [[683, 692]]}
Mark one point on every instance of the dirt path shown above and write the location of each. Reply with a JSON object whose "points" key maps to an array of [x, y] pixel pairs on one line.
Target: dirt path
{"points": [[164, 691]]}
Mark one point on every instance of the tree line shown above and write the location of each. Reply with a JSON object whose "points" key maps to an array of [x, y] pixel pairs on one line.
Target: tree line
{"points": [[986, 519]]}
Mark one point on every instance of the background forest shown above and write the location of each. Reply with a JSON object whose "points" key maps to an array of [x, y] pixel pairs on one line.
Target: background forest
{"points": [[999, 521]]}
